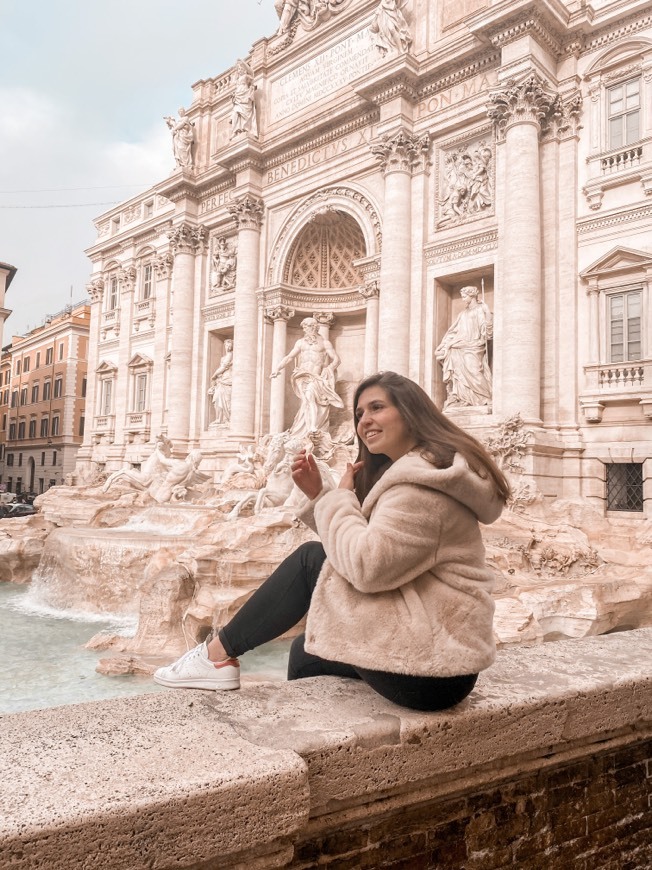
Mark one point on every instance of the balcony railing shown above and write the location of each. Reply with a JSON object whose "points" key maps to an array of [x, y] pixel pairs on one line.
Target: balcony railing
{"points": [[625, 159], [628, 377], [105, 423], [137, 421]]}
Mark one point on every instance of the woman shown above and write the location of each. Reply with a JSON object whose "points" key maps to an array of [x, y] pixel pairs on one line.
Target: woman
{"points": [[397, 593]]}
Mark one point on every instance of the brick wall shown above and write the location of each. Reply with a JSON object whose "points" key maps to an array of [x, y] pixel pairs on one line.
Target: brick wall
{"points": [[590, 814]]}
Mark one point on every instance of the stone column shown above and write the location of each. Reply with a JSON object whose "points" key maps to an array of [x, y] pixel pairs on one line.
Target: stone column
{"points": [[248, 213], [122, 398], [185, 241], [399, 153], [96, 293], [279, 316], [163, 265], [370, 361], [519, 111]]}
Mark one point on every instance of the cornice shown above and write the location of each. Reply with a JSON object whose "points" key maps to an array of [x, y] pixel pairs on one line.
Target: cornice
{"points": [[461, 247], [609, 33], [305, 300], [489, 60], [329, 135], [590, 224], [221, 311]]}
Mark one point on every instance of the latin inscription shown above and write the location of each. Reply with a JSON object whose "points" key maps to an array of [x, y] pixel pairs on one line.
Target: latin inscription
{"points": [[323, 75], [457, 94], [213, 202], [319, 155]]}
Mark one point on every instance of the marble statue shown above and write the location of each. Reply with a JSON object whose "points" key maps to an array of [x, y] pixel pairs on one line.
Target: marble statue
{"points": [[243, 114], [180, 476], [389, 29], [152, 466], [308, 12], [165, 479], [221, 385], [463, 354], [223, 263], [183, 136], [313, 379]]}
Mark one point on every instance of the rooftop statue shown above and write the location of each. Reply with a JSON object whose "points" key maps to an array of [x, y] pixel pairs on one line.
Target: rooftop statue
{"points": [[389, 28], [183, 136], [243, 114]]}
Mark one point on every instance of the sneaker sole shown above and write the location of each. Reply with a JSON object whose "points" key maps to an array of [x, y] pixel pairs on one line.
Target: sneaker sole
{"points": [[198, 684]]}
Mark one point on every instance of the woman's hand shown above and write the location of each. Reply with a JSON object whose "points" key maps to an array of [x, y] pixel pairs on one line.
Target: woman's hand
{"points": [[306, 475], [348, 478]]}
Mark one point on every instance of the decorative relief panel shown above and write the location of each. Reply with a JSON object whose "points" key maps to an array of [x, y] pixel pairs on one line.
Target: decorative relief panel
{"points": [[223, 265], [466, 182]]}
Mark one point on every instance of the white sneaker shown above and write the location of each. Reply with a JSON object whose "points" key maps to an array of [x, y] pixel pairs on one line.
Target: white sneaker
{"points": [[194, 670]]}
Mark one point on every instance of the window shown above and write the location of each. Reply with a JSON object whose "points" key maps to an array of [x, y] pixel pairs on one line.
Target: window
{"points": [[19, 485], [10, 458], [45, 427], [55, 426], [17, 366], [625, 486], [38, 359], [26, 364], [82, 421], [58, 384], [49, 355], [623, 113], [625, 327], [83, 388], [112, 301], [4, 422], [61, 347], [107, 397], [32, 428], [54, 457], [43, 457], [23, 396], [146, 291], [20, 459], [12, 431], [41, 485], [14, 399], [7, 374], [21, 430], [140, 398], [35, 390], [47, 390]]}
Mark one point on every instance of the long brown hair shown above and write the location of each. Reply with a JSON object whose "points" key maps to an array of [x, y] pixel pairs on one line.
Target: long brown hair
{"points": [[438, 438]]}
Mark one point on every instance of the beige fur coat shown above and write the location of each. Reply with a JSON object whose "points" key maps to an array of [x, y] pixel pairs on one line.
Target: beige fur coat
{"points": [[405, 587]]}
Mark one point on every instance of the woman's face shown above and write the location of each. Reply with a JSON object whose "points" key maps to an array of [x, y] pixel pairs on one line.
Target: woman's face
{"points": [[380, 426]]}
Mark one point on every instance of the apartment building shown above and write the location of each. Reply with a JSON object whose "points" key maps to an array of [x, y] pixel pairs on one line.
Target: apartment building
{"points": [[42, 402]]}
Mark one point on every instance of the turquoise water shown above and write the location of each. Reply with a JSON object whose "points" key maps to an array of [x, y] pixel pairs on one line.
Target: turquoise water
{"points": [[43, 662]]}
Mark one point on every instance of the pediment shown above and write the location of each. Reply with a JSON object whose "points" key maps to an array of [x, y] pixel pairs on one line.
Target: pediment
{"points": [[106, 367], [140, 359], [626, 52], [619, 259]]}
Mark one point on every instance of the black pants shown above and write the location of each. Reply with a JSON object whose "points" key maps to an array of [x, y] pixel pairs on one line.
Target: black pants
{"points": [[284, 598]]}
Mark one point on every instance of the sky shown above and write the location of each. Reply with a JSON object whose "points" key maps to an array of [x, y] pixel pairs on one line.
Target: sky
{"points": [[84, 86]]}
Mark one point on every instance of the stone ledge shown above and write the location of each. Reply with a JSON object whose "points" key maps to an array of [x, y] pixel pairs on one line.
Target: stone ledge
{"points": [[182, 778]]}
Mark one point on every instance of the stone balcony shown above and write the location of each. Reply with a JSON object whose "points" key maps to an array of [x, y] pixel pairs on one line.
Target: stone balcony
{"points": [[617, 167], [143, 314], [616, 382]]}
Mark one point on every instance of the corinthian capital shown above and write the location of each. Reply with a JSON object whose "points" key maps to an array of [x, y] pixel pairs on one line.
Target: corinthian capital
{"points": [[247, 212], [127, 277], [186, 239], [96, 290], [401, 151], [163, 265], [527, 101], [279, 312]]}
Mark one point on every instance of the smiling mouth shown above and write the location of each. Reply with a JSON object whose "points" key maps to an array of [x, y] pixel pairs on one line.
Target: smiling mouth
{"points": [[373, 434]]}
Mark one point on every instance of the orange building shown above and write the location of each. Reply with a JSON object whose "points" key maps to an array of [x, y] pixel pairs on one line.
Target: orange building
{"points": [[43, 399]]}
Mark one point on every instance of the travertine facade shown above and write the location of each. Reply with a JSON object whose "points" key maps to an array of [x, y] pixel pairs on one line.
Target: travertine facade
{"points": [[362, 166], [7, 273], [42, 402]]}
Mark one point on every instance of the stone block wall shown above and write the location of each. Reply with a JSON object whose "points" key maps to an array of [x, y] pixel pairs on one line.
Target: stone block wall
{"points": [[586, 814], [546, 766]]}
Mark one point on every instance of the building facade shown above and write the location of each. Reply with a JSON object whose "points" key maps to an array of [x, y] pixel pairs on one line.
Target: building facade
{"points": [[7, 273], [363, 166], [42, 402]]}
